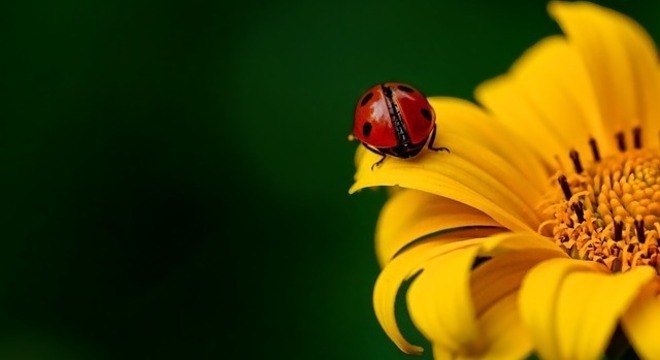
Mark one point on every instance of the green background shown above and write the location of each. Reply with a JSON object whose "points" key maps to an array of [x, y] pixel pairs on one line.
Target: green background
{"points": [[175, 174]]}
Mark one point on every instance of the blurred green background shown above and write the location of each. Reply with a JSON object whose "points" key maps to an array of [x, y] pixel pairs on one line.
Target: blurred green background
{"points": [[175, 174]]}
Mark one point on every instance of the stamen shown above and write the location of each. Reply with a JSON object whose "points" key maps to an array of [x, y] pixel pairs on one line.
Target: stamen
{"points": [[639, 229], [608, 211], [579, 211], [618, 228], [637, 135], [594, 149], [576, 161], [621, 141], [564, 187]]}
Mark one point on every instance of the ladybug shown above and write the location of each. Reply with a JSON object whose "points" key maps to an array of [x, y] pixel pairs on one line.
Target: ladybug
{"points": [[395, 119]]}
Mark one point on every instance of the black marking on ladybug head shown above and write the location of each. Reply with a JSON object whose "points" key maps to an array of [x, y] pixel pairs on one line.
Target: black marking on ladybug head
{"points": [[426, 114], [366, 129], [406, 89], [366, 99]]}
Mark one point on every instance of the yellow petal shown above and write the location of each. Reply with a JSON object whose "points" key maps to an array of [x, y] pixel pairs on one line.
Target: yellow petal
{"points": [[439, 302], [442, 353], [456, 179], [359, 154], [572, 307], [621, 60], [494, 287], [555, 82], [504, 330], [640, 322], [410, 215], [502, 275], [440, 298], [401, 268], [496, 151], [602, 299], [506, 242], [538, 301], [548, 90], [507, 104], [464, 119]]}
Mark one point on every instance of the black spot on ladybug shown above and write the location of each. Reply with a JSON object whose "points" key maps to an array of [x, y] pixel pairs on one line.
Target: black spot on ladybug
{"points": [[366, 99], [426, 114], [406, 89], [366, 129]]}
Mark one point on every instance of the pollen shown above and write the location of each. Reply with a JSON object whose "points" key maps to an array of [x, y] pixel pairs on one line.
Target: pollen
{"points": [[609, 210]]}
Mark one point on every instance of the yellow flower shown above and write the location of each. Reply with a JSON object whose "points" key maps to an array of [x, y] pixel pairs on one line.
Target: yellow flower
{"points": [[539, 231]]}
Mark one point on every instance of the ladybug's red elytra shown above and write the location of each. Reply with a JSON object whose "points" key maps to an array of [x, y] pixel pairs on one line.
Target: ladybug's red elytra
{"points": [[395, 119]]}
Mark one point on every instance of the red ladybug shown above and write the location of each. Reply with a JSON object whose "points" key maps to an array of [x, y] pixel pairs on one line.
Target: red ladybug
{"points": [[394, 119]]}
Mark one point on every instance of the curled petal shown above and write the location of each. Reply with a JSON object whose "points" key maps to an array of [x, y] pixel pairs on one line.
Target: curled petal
{"points": [[402, 268], [440, 296]]}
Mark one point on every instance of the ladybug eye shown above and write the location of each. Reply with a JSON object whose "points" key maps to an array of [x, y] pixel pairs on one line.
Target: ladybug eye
{"points": [[366, 99], [426, 114], [366, 129], [405, 89]]}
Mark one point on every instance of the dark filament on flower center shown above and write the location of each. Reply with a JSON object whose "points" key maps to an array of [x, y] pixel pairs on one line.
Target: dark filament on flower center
{"points": [[637, 136], [576, 161], [639, 229], [594, 149], [565, 187], [618, 228], [621, 141], [579, 211]]}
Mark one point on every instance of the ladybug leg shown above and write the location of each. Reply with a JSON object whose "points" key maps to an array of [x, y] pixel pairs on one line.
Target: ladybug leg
{"points": [[379, 162], [432, 140], [376, 151]]}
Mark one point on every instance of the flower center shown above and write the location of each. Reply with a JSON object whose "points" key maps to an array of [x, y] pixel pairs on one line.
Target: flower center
{"points": [[609, 211]]}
